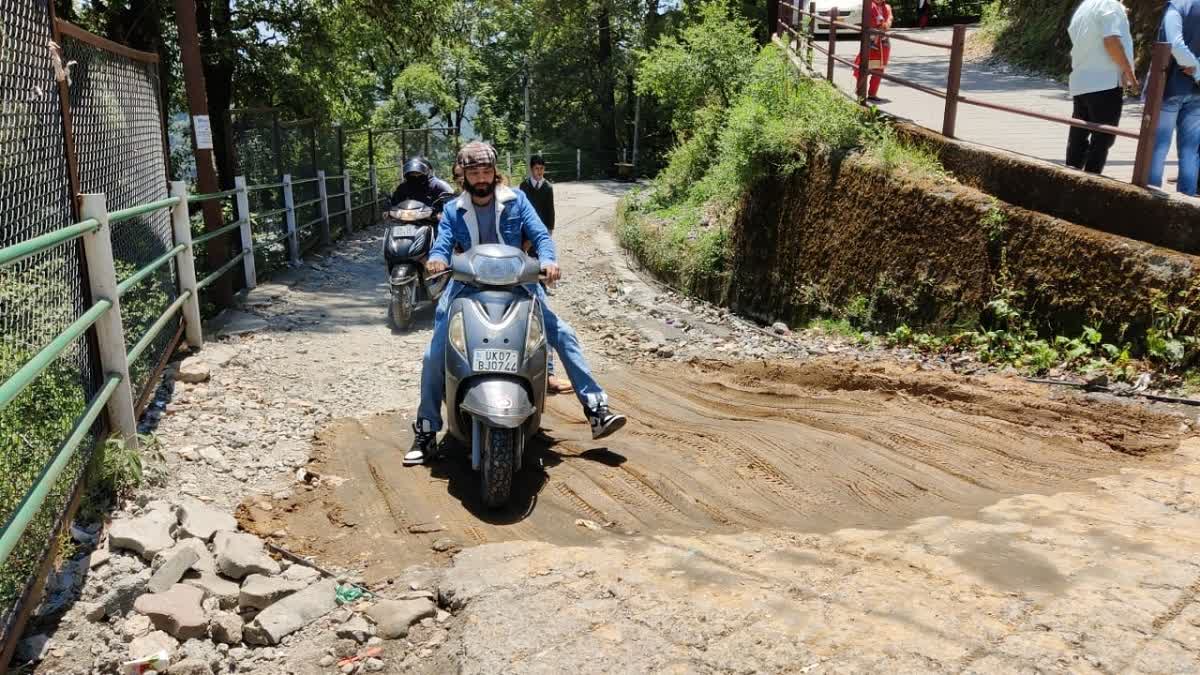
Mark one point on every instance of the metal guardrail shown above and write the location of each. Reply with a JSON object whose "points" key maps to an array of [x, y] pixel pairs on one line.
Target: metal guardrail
{"points": [[952, 94], [103, 318]]}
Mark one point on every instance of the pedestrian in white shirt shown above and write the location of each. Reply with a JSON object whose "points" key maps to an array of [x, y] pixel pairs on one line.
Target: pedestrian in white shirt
{"points": [[1101, 65]]}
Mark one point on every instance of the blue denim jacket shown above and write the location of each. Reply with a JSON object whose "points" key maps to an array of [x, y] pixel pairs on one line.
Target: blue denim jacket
{"points": [[516, 219]]}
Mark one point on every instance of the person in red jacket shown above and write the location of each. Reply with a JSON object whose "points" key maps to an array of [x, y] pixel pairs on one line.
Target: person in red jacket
{"points": [[880, 48]]}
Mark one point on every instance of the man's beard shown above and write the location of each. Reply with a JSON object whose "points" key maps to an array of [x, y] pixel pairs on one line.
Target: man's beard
{"points": [[481, 189]]}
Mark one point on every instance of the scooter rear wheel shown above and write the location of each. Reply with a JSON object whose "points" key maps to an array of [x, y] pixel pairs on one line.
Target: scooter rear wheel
{"points": [[496, 466]]}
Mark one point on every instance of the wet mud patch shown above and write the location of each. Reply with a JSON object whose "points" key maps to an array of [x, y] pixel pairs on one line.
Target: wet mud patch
{"points": [[716, 446]]}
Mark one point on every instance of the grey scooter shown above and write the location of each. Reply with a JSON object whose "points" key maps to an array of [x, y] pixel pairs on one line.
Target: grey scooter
{"points": [[496, 363]]}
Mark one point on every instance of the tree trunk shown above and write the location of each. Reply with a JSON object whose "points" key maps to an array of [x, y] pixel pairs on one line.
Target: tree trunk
{"points": [[609, 125]]}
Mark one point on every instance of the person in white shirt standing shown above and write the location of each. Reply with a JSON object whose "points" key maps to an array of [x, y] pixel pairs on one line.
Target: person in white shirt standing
{"points": [[1101, 65]]}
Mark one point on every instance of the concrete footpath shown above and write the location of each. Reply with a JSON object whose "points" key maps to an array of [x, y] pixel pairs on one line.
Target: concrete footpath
{"points": [[1023, 135]]}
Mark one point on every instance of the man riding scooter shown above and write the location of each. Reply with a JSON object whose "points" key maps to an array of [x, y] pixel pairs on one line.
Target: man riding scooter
{"points": [[420, 184], [488, 212]]}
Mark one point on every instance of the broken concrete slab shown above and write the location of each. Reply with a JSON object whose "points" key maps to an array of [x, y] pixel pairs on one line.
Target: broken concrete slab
{"points": [[240, 554], [233, 322], [292, 613], [202, 521], [146, 535], [176, 611], [259, 591], [205, 562], [393, 617], [224, 591], [172, 570], [302, 573]]}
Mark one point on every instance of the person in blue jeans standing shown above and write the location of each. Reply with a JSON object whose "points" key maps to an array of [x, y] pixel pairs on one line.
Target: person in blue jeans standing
{"points": [[488, 212], [1181, 98]]}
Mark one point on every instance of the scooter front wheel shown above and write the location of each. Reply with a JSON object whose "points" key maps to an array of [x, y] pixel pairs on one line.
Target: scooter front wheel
{"points": [[401, 310], [497, 464]]}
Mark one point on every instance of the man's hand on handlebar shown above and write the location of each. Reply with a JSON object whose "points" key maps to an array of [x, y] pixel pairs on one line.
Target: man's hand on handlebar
{"points": [[551, 273], [435, 266]]}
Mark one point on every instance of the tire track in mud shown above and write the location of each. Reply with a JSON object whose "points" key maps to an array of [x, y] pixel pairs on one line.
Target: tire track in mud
{"points": [[843, 445]]}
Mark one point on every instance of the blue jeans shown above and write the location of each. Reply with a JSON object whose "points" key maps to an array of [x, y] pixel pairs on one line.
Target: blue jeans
{"points": [[1182, 112], [559, 335]]}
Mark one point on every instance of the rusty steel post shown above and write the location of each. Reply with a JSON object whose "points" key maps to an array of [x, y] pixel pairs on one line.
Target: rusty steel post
{"points": [[217, 251], [954, 80], [833, 11], [1157, 82], [864, 53]]}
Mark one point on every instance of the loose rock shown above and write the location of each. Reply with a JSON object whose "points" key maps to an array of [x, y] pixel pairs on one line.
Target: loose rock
{"points": [[136, 626], [239, 555], [292, 613], [152, 644], [190, 667], [204, 559], [226, 628], [393, 617], [120, 598], [356, 629], [193, 370], [374, 665], [176, 611]]}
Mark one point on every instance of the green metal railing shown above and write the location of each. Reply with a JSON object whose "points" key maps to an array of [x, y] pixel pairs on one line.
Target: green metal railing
{"points": [[18, 252], [37, 495]]}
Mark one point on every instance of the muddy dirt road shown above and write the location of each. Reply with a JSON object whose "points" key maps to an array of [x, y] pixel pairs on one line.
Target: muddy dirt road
{"points": [[713, 446]]}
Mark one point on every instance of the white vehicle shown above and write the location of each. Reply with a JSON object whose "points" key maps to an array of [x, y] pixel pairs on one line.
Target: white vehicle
{"points": [[849, 11]]}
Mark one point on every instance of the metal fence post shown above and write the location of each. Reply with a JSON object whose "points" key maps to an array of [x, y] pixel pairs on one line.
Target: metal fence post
{"points": [[110, 335], [864, 53], [185, 265], [812, 31], [578, 164], [349, 202], [1153, 108], [833, 11], [374, 190], [797, 27], [324, 195], [954, 80], [289, 205], [243, 214]]}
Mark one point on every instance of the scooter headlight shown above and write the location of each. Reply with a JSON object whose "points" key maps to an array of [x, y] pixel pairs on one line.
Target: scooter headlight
{"points": [[458, 334], [535, 335]]}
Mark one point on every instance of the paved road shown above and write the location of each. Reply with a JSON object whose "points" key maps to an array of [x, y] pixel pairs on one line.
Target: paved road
{"points": [[1028, 136]]}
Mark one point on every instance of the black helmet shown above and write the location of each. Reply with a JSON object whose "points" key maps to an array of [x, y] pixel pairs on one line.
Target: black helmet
{"points": [[417, 168]]}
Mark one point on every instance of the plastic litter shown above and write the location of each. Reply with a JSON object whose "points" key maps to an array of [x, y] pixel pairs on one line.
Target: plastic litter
{"points": [[347, 594], [158, 662]]}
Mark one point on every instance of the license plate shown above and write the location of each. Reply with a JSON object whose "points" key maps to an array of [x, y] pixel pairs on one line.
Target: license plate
{"points": [[495, 361]]}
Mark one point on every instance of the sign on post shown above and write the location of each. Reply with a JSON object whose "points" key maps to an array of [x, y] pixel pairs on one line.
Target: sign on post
{"points": [[202, 127]]}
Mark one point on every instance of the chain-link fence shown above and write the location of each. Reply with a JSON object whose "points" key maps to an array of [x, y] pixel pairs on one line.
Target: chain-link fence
{"points": [[120, 143], [39, 296]]}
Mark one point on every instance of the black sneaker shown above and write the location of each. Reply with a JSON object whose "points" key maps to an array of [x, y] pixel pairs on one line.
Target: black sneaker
{"points": [[604, 421], [424, 444]]}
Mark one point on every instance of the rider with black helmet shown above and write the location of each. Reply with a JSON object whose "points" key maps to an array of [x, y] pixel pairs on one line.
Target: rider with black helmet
{"points": [[420, 184]]}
